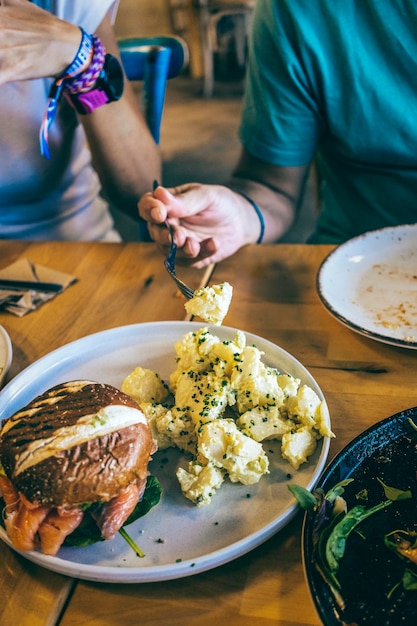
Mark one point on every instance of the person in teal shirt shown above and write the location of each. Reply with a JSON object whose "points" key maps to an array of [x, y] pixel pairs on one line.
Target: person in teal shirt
{"points": [[330, 83]]}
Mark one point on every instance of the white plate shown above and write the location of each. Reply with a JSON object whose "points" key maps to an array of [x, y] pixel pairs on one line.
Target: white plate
{"points": [[178, 538], [5, 353], [369, 284]]}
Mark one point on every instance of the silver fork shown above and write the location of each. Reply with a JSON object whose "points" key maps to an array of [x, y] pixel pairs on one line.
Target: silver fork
{"points": [[170, 267], [170, 260]]}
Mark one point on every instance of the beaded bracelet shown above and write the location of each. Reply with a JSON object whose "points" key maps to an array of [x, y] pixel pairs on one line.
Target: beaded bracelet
{"points": [[80, 75], [258, 213]]}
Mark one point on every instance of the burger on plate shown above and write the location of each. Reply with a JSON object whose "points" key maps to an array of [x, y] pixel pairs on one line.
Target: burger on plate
{"points": [[80, 448]]}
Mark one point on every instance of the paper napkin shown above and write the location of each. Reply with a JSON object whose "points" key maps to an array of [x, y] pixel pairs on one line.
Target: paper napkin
{"points": [[22, 302]]}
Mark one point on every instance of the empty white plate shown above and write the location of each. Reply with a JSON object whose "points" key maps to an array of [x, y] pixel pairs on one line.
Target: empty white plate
{"points": [[369, 284]]}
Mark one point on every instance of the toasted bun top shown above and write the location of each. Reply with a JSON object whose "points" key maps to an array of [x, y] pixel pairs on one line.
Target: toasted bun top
{"points": [[79, 442]]}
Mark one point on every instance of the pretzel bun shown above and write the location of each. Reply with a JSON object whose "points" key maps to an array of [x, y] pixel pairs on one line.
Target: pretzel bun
{"points": [[80, 442]]}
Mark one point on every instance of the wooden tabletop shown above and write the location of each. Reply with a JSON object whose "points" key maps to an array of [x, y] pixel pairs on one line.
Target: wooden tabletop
{"points": [[275, 297]]}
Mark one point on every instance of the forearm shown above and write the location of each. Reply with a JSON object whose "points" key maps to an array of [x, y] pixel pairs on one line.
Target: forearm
{"points": [[276, 211], [277, 191], [124, 153]]}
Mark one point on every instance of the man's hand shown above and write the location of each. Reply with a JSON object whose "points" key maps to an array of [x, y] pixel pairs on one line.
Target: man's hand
{"points": [[211, 222]]}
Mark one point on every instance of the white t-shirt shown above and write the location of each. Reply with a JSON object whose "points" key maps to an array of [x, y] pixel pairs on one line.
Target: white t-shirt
{"points": [[56, 199]]}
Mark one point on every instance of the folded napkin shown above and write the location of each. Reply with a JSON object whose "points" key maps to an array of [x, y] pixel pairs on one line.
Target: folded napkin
{"points": [[22, 301]]}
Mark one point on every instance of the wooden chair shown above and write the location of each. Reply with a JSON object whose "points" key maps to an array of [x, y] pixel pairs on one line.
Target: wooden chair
{"points": [[210, 13]]}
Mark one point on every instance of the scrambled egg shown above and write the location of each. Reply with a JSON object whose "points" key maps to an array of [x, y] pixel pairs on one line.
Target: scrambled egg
{"points": [[223, 401], [211, 304]]}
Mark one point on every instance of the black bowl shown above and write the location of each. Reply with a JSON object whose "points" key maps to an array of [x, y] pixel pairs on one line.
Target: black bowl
{"points": [[387, 450]]}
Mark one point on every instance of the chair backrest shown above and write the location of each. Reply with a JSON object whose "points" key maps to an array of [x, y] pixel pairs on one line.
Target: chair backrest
{"points": [[153, 60], [204, 33]]}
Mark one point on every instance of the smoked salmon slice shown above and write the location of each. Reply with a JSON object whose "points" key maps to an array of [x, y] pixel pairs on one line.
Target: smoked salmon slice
{"points": [[58, 524], [22, 519], [112, 515]]}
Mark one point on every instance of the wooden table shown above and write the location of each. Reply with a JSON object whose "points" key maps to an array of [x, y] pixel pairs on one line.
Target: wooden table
{"points": [[275, 297]]}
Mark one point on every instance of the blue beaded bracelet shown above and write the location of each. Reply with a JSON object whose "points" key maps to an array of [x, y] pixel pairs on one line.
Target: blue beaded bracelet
{"points": [[258, 213]]}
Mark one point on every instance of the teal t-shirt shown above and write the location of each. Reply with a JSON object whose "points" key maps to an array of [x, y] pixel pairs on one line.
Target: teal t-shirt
{"points": [[336, 81]]}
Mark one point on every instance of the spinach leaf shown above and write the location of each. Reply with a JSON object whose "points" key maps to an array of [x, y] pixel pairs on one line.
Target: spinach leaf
{"points": [[394, 494], [336, 542], [305, 498], [409, 580], [151, 497]]}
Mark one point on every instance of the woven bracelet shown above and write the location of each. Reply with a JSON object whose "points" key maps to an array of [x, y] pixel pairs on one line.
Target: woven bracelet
{"points": [[86, 80], [258, 213], [79, 77], [83, 57], [80, 63]]}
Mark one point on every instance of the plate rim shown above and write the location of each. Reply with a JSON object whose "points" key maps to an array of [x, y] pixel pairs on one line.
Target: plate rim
{"points": [[330, 618], [370, 334], [5, 337], [186, 567]]}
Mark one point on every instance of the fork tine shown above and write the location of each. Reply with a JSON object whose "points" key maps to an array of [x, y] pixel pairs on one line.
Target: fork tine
{"points": [[170, 267], [185, 289]]}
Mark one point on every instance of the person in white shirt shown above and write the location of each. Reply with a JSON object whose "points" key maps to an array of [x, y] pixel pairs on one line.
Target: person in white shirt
{"points": [[104, 157]]}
